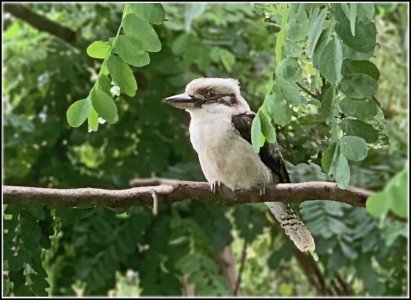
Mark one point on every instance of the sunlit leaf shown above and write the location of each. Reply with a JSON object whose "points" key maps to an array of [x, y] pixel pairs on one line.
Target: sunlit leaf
{"points": [[140, 29], [257, 137], [130, 50], [353, 147], [98, 49], [104, 106], [122, 75], [78, 112], [152, 12]]}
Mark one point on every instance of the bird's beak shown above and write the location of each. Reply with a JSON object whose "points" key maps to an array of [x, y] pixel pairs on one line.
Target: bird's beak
{"points": [[182, 101]]}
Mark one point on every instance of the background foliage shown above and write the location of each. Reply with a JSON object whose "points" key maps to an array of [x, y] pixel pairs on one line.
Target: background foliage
{"points": [[103, 251]]}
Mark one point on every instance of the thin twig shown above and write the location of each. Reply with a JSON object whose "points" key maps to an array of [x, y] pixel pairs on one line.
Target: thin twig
{"points": [[240, 271], [308, 92]]}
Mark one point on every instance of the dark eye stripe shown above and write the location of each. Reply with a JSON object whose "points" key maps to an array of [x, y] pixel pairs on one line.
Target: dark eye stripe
{"points": [[226, 99]]}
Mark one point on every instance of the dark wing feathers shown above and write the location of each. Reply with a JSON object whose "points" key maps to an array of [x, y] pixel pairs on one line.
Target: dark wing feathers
{"points": [[270, 153]]}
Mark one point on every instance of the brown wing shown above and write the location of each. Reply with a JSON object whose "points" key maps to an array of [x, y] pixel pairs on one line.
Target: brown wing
{"points": [[270, 152]]}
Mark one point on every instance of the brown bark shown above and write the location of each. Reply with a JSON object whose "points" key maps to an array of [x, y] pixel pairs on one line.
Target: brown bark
{"points": [[175, 190], [40, 22]]}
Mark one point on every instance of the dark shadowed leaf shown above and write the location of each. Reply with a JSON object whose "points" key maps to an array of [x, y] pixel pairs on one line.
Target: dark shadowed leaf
{"points": [[358, 108], [327, 158], [361, 129], [358, 85], [330, 61], [360, 66], [365, 33]]}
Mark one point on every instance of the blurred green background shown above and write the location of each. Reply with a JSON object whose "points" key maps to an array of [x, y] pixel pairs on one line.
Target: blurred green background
{"points": [[103, 251]]}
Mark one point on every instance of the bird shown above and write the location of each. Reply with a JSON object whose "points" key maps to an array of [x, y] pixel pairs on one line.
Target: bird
{"points": [[220, 133]]}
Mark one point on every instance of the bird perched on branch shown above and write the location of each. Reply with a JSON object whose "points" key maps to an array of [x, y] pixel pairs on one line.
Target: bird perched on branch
{"points": [[220, 132]]}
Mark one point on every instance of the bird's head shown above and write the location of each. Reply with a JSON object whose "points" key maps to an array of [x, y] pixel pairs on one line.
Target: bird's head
{"points": [[211, 95]]}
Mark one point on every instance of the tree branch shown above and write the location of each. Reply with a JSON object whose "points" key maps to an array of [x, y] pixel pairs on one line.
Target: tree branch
{"points": [[175, 190], [41, 23]]}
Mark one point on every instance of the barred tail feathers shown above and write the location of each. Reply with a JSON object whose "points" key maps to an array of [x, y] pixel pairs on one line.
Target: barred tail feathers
{"points": [[292, 225]]}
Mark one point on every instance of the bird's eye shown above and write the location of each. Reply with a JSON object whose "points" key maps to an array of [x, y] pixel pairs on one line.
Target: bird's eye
{"points": [[210, 94]]}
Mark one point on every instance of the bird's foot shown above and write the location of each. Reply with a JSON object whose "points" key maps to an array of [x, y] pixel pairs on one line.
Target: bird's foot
{"points": [[214, 186], [262, 190]]}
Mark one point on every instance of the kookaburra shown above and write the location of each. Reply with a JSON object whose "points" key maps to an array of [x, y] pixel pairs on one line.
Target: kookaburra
{"points": [[220, 132]]}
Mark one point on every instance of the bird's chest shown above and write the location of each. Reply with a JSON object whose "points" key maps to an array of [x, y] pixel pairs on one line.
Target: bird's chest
{"points": [[212, 140], [226, 157]]}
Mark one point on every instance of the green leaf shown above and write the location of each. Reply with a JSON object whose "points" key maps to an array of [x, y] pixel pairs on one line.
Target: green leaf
{"points": [[358, 85], [181, 43], [288, 90], [350, 53], [353, 147], [365, 11], [78, 112], [152, 12], [257, 137], [281, 35], [98, 49], [142, 30], [327, 158], [360, 66], [348, 250], [358, 108], [291, 49], [289, 69], [365, 35], [191, 12], [396, 190], [324, 39], [326, 110], [297, 24], [296, 30], [92, 120], [361, 129], [377, 204], [130, 50], [352, 15], [103, 83], [266, 127], [104, 106], [330, 60], [342, 171], [278, 109], [315, 29], [122, 75]]}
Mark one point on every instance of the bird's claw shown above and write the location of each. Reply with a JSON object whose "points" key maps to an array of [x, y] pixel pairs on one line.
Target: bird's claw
{"points": [[262, 191], [214, 186]]}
